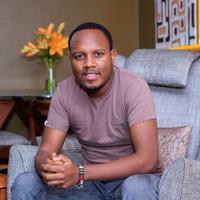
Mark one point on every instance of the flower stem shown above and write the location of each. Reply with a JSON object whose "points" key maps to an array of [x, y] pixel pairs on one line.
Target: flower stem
{"points": [[50, 62]]}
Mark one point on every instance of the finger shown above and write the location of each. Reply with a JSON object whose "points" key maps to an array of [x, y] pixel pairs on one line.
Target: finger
{"points": [[53, 155], [53, 177], [68, 184], [49, 161], [53, 182], [56, 162], [64, 158], [56, 183], [53, 168], [57, 180]]}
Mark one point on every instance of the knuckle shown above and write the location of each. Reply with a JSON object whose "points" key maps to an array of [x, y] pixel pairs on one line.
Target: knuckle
{"points": [[61, 176]]}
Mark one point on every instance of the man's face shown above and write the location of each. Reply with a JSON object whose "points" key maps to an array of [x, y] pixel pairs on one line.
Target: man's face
{"points": [[92, 60]]}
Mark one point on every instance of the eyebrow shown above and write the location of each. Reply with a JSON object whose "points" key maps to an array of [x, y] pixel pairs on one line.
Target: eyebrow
{"points": [[79, 51]]}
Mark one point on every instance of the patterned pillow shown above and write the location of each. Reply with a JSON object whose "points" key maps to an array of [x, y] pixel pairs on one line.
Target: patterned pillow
{"points": [[172, 144]]}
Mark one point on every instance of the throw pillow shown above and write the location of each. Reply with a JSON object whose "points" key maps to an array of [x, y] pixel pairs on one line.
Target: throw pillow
{"points": [[172, 144]]}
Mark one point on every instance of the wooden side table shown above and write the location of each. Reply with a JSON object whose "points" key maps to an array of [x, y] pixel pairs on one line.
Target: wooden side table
{"points": [[24, 103], [38, 108], [3, 184], [6, 106]]}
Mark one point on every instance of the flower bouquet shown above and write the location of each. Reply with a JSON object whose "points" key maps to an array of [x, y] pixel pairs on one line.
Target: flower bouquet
{"points": [[50, 46]]}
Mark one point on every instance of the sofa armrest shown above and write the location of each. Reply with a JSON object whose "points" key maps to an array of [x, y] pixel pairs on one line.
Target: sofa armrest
{"points": [[191, 187], [21, 159], [181, 180]]}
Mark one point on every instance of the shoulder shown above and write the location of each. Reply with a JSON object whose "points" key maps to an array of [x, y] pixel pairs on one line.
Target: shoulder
{"points": [[68, 82], [64, 89], [128, 78], [67, 91], [68, 85]]}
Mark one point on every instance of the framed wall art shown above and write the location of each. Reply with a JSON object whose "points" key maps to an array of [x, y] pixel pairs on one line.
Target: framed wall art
{"points": [[177, 24]]}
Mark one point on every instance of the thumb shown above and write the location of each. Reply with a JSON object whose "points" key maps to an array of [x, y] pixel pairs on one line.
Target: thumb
{"points": [[53, 155], [64, 158]]}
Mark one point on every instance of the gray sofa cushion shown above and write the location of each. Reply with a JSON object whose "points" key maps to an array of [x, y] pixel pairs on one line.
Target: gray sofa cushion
{"points": [[191, 187], [162, 67], [171, 183], [71, 143], [21, 160], [9, 138], [181, 181], [120, 60]]}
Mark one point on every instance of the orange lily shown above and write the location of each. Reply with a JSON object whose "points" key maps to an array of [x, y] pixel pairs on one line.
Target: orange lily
{"points": [[42, 43], [47, 32], [30, 49], [61, 27], [57, 44], [49, 42]]}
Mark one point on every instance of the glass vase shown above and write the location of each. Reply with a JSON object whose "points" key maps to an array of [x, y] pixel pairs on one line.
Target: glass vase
{"points": [[50, 82]]}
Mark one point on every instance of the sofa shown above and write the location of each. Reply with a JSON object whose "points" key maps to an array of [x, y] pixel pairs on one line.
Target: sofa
{"points": [[174, 79]]}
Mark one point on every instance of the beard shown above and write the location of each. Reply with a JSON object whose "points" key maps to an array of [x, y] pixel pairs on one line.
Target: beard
{"points": [[95, 89], [91, 90]]}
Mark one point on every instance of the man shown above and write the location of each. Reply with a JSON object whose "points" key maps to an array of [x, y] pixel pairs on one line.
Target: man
{"points": [[112, 113]]}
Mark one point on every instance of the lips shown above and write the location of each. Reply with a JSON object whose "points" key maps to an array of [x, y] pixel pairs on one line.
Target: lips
{"points": [[90, 76]]}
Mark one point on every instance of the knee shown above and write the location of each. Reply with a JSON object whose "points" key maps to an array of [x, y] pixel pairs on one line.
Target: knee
{"points": [[134, 184], [138, 186], [25, 181]]}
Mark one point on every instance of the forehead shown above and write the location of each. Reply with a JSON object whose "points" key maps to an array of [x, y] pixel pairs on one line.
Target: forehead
{"points": [[88, 38]]}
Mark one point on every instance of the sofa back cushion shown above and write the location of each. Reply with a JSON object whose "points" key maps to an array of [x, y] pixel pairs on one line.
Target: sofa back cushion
{"points": [[157, 66], [175, 105], [120, 61]]}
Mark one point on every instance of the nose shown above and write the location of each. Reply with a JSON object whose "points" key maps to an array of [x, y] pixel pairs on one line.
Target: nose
{"points": [[89, 61]]}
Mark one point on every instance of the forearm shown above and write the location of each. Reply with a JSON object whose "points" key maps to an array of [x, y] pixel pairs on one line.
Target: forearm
{"points": [[40, 159], [121, 168], [51, 143]]}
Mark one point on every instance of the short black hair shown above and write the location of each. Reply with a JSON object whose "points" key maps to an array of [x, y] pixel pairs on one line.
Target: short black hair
{"points": [[92, 25]]}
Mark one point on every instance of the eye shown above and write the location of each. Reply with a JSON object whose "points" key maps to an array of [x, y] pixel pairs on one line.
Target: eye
{"points": [[78, 56], [99, 54]]}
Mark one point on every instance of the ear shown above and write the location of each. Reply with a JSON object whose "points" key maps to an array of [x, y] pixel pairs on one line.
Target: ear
{"points": [[68, 53], [113, 55]]}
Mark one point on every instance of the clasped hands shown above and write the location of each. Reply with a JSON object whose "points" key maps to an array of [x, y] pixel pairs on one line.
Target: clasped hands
{"points": [[60, 171]]}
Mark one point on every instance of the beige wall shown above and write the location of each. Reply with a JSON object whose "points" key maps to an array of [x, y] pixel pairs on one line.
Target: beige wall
{"points": [[20, 18], [146, 24]]}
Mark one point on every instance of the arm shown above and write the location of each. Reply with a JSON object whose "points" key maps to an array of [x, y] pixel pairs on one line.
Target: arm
{"points": [[52, 142], [55, 169], [144, 160]]}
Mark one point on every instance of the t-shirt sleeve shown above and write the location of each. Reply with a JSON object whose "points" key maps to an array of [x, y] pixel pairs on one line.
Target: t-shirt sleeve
{"points": [[140, 103], [58, 116]]}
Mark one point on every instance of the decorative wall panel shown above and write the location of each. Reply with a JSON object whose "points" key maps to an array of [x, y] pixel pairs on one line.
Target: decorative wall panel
{"points": [[175, 23]]}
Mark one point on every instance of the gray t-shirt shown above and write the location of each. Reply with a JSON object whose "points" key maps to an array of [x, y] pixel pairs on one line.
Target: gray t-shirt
{"points": [[102, 124]]}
